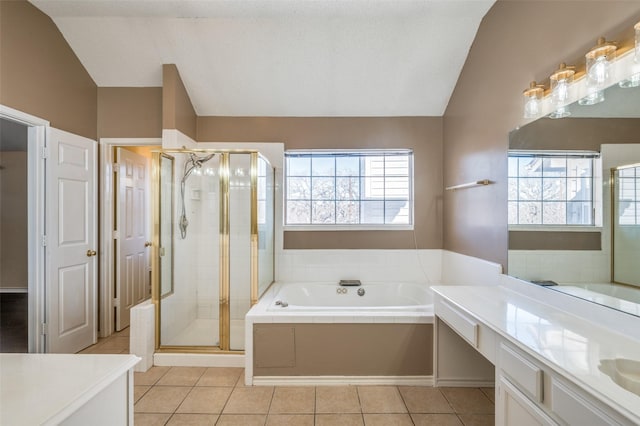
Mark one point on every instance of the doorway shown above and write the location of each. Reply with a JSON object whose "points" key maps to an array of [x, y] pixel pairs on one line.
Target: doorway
{"points": [[14, 256], [61, 235], [125, 228]]}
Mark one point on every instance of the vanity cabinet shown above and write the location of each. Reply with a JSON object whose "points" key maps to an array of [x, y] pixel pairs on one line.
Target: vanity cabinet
{"points": [[513, 407], [528, 390], [531, 393]]}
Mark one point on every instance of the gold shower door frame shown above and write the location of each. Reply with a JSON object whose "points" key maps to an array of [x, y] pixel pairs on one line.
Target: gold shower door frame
{"points": [[224, 241]]}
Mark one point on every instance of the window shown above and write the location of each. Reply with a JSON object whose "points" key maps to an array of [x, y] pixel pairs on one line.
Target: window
{"points": [[353, 189], [551, 188]]}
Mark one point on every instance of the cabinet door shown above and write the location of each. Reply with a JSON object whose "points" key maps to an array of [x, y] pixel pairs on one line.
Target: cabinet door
{"points": [[514, 408]]}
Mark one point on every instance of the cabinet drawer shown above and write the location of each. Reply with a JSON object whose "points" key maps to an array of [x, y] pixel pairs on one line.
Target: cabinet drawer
{"points": [[463, 324], [522, 372], [574, 410]]}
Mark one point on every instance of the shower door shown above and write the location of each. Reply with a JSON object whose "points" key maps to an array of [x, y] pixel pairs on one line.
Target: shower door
{"points": [[187, 250], [213, 246], [625, 194]]}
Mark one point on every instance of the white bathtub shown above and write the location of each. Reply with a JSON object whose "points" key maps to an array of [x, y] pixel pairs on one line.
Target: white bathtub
{"points": [[400, 304], [330, 297]]}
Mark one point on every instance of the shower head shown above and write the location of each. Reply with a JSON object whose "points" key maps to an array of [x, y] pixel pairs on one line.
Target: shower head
{"points": [[197, 162], [194, 162]]}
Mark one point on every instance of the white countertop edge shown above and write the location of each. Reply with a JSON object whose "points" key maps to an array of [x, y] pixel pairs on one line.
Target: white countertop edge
{"points": [[86, 394], [587, 386]]}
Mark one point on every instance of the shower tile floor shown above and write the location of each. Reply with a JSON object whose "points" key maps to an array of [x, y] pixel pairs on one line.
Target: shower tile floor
{"points": [[218, 396]]}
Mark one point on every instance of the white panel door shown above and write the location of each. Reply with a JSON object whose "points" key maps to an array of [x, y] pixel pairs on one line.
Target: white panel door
{"points": [[71, 217], [132, 277]]}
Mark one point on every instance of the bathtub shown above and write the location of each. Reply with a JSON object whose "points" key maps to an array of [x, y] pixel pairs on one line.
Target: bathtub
{"points": [[317, 333], [357, 300]]}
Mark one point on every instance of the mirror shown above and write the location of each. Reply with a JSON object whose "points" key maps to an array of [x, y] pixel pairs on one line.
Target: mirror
{"points": [[586, 240]]}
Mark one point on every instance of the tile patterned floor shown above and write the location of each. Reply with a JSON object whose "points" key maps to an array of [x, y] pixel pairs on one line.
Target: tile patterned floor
{"points": [[217, 396]]}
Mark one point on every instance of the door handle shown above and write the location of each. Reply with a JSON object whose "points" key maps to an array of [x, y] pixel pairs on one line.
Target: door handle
{"points": [[148, 244], [91, 253]]}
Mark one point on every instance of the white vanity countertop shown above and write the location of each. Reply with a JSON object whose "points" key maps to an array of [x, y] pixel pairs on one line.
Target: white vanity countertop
{"points": [[47, 388], [566, 343]]}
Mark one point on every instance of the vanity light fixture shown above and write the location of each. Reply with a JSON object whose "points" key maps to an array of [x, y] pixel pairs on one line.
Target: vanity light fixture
{"points": [[561, 81], [532, 98], [597, 74], [634, 80]]}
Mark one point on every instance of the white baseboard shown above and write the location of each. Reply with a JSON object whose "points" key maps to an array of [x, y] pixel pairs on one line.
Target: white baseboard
{"points": [[342, 380], [457, 383], [198, 360], [14, 290]]}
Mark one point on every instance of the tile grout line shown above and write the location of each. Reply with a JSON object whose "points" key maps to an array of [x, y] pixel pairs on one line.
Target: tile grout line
{"points": [[273, 392], [226, 402], [360, 404]]}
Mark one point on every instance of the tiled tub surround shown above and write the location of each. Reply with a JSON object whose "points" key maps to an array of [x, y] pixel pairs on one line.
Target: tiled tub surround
{"points": [[560, 336], [426, 266]]}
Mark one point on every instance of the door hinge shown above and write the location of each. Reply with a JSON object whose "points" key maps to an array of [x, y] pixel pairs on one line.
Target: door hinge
{"points": [[116, 302], [44, 241], [116, 235], [45, 152], [116, 167], [44, 329]]}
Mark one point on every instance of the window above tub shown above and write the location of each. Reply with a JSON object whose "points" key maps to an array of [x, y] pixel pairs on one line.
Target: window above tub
{"points": [[554, 189], [348, 190]]}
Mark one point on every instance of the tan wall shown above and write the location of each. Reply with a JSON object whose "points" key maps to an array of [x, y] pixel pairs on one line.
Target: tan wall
{"points": [[544, 240], [40, 74], [177, 110], [13, 219], [343, 349], [575, 133], [422, 134], [129, 112], [518, 41]]}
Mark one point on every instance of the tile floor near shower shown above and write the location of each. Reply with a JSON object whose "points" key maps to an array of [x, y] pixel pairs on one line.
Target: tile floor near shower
{"points": [[217, 396]]}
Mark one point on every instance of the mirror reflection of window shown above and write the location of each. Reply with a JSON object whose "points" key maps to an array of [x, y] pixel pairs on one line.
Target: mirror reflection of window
{"points": [[550, 188]]}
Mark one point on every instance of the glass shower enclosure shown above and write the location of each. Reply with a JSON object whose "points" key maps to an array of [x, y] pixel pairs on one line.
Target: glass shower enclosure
{"points": [[213, 246]]}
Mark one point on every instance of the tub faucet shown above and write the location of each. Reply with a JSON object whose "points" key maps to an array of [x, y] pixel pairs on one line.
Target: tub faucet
{"points": [[350, 283]]}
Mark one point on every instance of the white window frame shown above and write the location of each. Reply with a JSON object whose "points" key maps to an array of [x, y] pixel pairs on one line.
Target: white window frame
{"points": [[596, 193], [352, 227]]}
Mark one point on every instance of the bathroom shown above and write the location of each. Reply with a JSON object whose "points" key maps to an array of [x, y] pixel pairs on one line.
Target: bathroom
{"points": [[465, 140]]}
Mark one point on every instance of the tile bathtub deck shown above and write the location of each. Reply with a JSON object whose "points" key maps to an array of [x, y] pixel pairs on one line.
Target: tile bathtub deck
{"points": [[217, 396]]}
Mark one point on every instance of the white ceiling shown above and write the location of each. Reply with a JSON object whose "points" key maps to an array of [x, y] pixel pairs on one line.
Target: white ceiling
{"points": [[280, 57]]}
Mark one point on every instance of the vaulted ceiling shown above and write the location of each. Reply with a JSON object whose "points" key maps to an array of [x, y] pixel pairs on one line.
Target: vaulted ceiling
{"points": [[279, 57]]}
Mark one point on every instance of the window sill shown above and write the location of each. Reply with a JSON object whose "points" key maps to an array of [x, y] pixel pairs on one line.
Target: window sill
{"points": [[556, 228], [348, 228]]}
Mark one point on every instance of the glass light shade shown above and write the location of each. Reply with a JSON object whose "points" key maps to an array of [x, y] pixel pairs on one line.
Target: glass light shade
{"points": [[532, 98], [597, 75], [561, 91], [634, 80]]}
